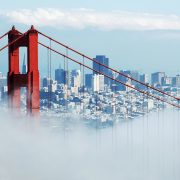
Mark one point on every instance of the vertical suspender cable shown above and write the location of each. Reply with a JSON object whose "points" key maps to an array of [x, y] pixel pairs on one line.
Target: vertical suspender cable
{"points": [[67, 78], [163, 102], [178, 97], [50, 57], [143, 102], [64, 82], [48, 75], [147, 100], [80, 90], [115, 92], [83, 86]]}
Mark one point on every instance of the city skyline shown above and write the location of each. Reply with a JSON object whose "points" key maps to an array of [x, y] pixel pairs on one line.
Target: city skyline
{"points": [[60, 74]]}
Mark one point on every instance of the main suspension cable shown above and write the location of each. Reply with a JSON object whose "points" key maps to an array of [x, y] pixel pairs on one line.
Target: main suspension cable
{"points": [[11, 43], [4, 35], [91, 59], [127, 85]]}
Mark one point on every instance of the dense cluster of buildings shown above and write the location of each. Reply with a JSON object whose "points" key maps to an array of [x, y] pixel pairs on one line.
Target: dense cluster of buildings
{"points": [[75, 82], [96, 92], [98, 96]]}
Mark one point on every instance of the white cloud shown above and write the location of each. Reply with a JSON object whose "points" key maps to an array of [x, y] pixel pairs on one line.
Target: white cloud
{"points": [[88, 18]]}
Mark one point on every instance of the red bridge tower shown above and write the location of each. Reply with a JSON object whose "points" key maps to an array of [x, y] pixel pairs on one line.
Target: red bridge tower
{"points": [[30, 80]]}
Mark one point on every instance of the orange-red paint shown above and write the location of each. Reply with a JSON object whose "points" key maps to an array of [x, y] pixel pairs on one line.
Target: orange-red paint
{"points": [[30, 80]]}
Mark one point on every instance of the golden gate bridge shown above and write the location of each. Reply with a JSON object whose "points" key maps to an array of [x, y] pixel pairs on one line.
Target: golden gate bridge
{"points": [[30, 80]]}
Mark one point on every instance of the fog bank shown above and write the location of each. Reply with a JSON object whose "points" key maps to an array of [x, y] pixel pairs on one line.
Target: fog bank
{"points": [[49, 148]]}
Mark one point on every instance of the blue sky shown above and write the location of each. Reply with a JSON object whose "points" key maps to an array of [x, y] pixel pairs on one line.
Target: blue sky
{"points": [[138, 34], [156, 6]]}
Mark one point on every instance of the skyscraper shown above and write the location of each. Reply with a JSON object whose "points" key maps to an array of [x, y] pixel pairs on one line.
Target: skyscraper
{"points": [[135, 75], [98, 82], [75, 78], [144, 79], [88, 80], [156, 78], [123, 79], [3, 80], [24, 66], [61, 76], [167, 81], [46, 82], [103, 60], [176, 81]]}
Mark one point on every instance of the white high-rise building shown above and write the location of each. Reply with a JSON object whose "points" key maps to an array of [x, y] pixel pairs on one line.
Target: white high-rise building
{"points": [[98, 82], [52, 87], [144, 78], [3, 84], [75, 78]]}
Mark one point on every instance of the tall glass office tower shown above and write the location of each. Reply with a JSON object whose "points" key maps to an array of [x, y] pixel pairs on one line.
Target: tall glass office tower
{"points": [[103, 60]]}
